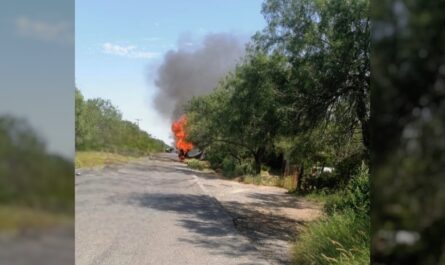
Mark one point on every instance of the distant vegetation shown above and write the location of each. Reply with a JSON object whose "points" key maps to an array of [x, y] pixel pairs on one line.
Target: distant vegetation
{"points": [[100, 127], [300, 98], [99, 159], [35, 186]]}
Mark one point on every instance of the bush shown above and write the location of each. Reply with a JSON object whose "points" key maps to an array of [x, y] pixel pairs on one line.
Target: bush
{"points": [[215, 156], [197, 164], [355, 197], [348, 167], [245, 168], [228, 167], [339, 239], [322, 181]]}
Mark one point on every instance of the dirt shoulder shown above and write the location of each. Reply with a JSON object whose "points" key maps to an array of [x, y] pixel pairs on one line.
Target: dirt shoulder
{"points": [[268, 216]]}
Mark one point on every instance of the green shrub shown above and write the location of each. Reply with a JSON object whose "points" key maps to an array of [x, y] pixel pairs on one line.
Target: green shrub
{"points": [[335, 203], [348, 167], [338, 239], [322, 181], [197, 164], [355, 197], [245, 168], [265, 168], [214, 156], [228, 167]]}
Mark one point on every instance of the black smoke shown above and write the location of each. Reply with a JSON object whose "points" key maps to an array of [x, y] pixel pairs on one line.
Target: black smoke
{"points": [[188, 72]]}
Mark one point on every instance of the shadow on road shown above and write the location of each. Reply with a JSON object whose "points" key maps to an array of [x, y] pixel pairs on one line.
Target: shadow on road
{"points": [[216, 226], [213, 228]]}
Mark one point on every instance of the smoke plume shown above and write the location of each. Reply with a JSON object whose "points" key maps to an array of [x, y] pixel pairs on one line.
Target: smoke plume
{"points": [[187, 72]]}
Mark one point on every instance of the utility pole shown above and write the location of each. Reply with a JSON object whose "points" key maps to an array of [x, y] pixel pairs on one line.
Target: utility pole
{"points": [[137, 122]]}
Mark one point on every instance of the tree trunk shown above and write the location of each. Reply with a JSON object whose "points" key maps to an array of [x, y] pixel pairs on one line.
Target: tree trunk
{"points": [[259, 159], [300, 177], [257, 164], [362, 115]]}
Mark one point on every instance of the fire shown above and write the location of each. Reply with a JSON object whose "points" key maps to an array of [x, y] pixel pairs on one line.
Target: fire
{"points": [[178, 128]]}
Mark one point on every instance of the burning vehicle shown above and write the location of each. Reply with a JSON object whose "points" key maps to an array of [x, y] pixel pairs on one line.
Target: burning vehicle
{"points": [[169, 149], [184, 149]]}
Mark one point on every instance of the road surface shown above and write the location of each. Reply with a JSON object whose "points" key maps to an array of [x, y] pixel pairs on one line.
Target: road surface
{"points": [[154, 211], [53, 246]]}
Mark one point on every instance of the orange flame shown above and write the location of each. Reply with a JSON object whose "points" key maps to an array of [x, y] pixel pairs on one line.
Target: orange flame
{"points": [[178, 128]]}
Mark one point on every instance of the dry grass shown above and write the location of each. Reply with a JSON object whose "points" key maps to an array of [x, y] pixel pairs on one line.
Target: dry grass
{"points": [[267, 179], [197, 164], [16, 218], [87, 159]]}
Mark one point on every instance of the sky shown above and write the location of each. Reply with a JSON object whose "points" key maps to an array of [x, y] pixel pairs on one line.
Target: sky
{"points": [[120, 45], [36, 68]]}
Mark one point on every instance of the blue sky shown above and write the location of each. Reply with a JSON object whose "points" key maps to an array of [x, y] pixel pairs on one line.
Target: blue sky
{"points": [[36, 68], [120, 44]]}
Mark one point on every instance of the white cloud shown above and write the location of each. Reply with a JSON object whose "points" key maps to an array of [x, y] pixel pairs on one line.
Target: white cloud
{"points": [[60, 31], [129, 51]]}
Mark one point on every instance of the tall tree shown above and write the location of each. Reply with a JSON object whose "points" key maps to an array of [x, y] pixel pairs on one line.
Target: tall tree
{"points": [[327, 43], [242, 112], [99, 126]]}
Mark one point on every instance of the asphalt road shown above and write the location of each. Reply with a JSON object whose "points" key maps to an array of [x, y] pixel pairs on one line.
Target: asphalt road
{"points": [[52, 246], [154, 212]]}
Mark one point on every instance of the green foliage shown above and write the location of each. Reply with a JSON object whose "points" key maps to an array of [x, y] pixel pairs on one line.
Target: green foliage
{"points": [[341, 239], [100, 127], [348, 167], [303, 91], [197, 164], [319, 182], [343, 236], [29, 175], [355, 197], [228, 167], [327, 44], [326, 145], [241, 113]]}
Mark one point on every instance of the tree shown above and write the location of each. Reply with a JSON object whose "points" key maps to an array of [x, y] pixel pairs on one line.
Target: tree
{"points": [[327, 44], [29, 175], [80, 126], [100, 127], [242, 111]]}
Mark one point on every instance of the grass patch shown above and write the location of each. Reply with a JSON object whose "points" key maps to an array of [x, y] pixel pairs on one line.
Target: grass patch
{"points": [[99, 159], [14, 218], [320, 197], [197, 164], [342, 238], [269, 180]]}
